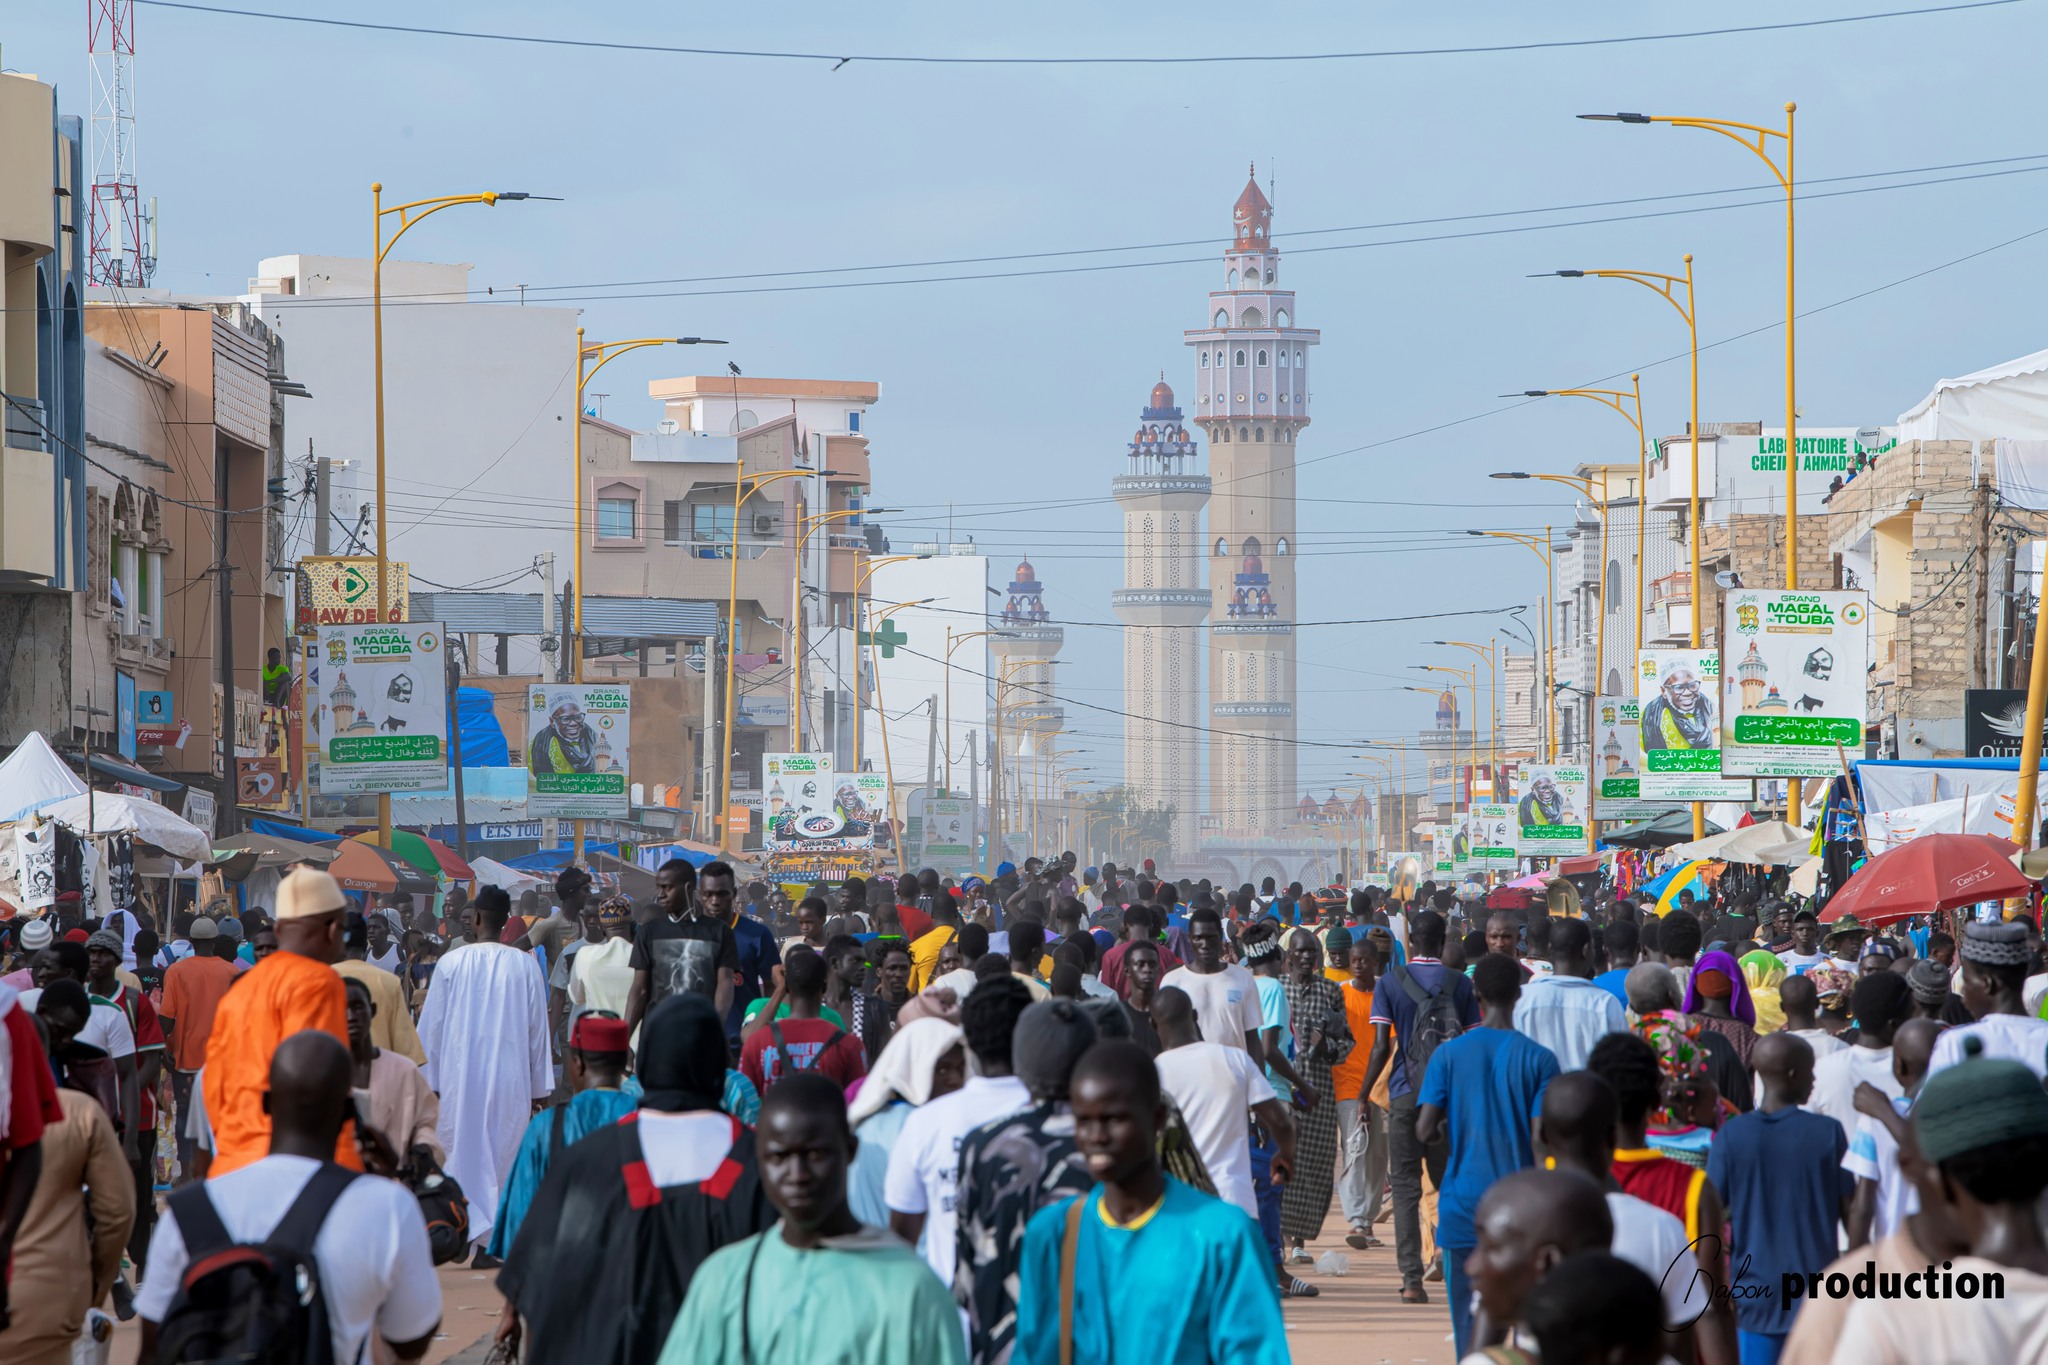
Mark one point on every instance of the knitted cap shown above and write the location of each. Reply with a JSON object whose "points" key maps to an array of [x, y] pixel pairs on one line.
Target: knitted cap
{"points": [[1994, 945], [1979, 1102], [36, 935], [1929, 981], [1338, 942], [1050, 1038]]}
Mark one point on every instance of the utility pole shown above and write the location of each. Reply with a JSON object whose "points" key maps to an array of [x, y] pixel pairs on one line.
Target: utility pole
{"points": [[230, 788], [931, 752], [323, 500], [454, 677], [546, 564]]}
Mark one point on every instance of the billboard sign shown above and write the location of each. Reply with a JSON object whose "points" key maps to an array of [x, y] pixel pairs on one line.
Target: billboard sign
{"points": [[1995, 722], [1678, 699], [1493, 836], [578, 736], [818, 823], [383, 714], [1550, 810], [342, 590], [1795, 694]]}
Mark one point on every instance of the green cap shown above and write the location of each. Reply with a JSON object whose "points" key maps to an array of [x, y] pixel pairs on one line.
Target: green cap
{"points": [[1979, 1102]]}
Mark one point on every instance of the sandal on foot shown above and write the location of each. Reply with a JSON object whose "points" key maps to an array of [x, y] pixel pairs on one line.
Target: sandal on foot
{"points": [[1414, 1293], [1358, 1239], [1299, 1289]]}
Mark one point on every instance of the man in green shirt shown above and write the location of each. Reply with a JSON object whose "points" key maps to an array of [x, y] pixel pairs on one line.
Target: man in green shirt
{"points": [[868, 1298]]}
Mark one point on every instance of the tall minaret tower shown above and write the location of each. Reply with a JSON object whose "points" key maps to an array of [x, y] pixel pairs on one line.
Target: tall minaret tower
{"points": [[1251, 373], [1165, 597]]}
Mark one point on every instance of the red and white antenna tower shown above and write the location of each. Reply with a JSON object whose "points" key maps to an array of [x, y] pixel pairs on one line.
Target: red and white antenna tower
{"points": [[123, 238]]}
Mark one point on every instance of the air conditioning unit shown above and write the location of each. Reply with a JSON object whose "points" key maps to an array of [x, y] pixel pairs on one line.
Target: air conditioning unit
{"points": [[764, 525]]}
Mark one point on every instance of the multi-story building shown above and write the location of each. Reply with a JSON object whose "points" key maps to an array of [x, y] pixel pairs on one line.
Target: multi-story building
{"points": [[1252, 401], [1163, 603], [182, 575], [43, 464], [479, 395]]}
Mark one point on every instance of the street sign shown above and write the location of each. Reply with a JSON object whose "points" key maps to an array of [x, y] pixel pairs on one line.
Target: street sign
{"points": [[342, 591], [258, 781], [124, 714]]}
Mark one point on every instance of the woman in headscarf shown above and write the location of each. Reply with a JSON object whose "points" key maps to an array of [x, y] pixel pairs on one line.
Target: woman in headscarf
{"points": [[1322, 1038], [1763, 973], [625, 1216], [1718, 995], [923, 1060], [1681, 1123]]}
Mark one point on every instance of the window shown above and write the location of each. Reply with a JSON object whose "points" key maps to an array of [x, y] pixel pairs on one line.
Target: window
{"points": [[711, 522], [1280, 318], [153, 601], [1280, 546], [1240, 357], [673, 517], [1259, 434], [1233, 277], [1251, 275], [1205, 360], [1244, 433], [1611, 592], [853, 421], [1222, 547], [1219, 357], [616, 517], [1262, 358], [1283, 360], [1297, 355], [1222, 317], [1253, 318]]}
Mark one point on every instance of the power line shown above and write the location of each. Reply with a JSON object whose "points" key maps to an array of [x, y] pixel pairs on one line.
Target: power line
{"points": [[840, 59]]}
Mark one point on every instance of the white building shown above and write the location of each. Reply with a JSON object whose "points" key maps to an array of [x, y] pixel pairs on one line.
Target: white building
{"points": [[478, 402], [936, 709]]}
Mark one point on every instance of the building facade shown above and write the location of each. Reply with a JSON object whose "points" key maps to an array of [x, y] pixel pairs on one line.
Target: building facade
{"points": [[1252, 401], [1163, 603]]}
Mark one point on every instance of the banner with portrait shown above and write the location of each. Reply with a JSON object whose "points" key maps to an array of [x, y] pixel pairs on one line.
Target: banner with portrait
{"points": [[1550, 811], [1678, 692], [578, 736]]}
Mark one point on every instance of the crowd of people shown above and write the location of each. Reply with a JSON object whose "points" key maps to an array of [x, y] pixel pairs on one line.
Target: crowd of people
{"points": [[1059, 1114]]}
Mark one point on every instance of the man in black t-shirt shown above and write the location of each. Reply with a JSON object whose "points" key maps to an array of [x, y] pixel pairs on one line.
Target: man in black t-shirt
{"points": [[685, 948]]}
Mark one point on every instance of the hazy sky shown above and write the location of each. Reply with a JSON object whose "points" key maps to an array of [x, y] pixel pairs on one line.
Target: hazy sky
{"points": [[1014, 397]]}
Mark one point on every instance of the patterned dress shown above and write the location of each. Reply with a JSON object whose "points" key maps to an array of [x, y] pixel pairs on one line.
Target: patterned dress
{"points": [[1307, 1196], [1009, 1170]]}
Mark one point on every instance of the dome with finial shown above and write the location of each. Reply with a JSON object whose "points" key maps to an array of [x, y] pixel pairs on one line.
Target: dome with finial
{"points": [[1162, 395], [1025, 604]]}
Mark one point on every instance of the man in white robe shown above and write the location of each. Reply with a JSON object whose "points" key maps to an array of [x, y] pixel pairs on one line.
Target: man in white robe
{"points": [[485, 1030]]}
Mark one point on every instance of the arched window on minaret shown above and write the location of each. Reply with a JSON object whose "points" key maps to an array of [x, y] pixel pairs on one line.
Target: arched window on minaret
{"points": [[1280, 319], [1244, 433], [1283, 354], [1239, 358], [1262, 358], [1222, 317], [1258, 433], [1253, 318], [1233, 277], [1280, 546], [1222, 547], [1251, 274]]}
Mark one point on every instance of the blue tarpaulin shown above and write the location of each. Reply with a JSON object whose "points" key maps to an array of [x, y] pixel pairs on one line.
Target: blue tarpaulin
{"points": [[552, 859], [278, 829], [483, 739]]}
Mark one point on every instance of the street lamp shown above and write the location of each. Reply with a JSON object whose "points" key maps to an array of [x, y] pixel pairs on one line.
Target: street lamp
{"points": [[1612, 398], [808, 527], [888, 759], [743, 485], [1542, 549], [1471, 677], [409, 216], [1491, 653], [1585, 486]]}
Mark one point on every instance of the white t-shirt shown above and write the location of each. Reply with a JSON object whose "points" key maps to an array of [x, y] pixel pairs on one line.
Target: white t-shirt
{"points": [[1874, 1155], [2032, 992], [1653, 1241], [1823, 1043], [924, 1165], [1800, 963], [960, 980], [682, 1149], [1226, 1002], [106, 1027], [376, 1269], [2013, 1037], [1214, 1086], [1836, 1076]]}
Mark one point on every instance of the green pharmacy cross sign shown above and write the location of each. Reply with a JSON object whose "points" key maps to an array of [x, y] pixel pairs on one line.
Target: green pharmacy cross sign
{"points": [[888, 637]]}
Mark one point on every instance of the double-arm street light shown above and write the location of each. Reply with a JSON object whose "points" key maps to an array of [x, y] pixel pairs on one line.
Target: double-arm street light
{"points": [[808, 526], [744, 485], [408, 215], [1585, 486], [1490, 652], [1542, 550], [1471, 677], [1618, 401]]}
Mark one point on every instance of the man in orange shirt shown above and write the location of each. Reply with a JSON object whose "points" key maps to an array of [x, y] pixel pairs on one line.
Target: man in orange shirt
{"points": [[1361, 1120], [290, 990], [193, 988]]}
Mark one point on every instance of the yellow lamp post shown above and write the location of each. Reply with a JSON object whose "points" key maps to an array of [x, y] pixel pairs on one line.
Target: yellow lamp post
{"points": [[1490, 652], [602, 353], [1585, 486], [1541, 549], [995, 750], [1613, 398], [953, 642], [807, 527], [1400, 749], [743, 485], [409, 216], [1471, 677]]}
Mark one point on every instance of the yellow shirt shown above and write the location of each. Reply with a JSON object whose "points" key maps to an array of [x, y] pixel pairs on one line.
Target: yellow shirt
{"points": [[391, 1025], [924, 956]]}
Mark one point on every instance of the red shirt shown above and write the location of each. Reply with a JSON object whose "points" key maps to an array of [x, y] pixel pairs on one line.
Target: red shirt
{"points": [[812, 1048], [32, 1092], [1657, 1179], [149, 1036], [1112, 973]]}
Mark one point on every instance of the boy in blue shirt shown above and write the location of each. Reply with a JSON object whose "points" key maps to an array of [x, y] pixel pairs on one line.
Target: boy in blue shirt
{"points": [[1482, 1090]]}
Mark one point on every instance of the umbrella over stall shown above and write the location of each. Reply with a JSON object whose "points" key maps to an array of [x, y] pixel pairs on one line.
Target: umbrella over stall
{"points": [[1932, 872], [366, 867]]}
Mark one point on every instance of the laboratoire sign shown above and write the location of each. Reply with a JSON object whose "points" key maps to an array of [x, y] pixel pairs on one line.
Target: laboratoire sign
{"points": [[1794, 689], [383, 708]]}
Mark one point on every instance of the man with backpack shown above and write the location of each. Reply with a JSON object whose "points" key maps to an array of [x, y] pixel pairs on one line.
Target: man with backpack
{"points": [[227, 1257], [804, 1040], [1423, 1005]]}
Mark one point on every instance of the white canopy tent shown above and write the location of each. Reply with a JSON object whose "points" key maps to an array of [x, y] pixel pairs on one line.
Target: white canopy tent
{"points": [[34, 777], [146, 820], [2004, 400]]}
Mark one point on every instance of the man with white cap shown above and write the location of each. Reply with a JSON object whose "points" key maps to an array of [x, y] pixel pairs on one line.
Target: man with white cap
{"points": [[292, 989], [33, 936]]}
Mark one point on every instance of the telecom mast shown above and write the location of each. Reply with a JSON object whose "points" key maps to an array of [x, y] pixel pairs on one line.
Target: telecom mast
{"points": [[123, 238]]}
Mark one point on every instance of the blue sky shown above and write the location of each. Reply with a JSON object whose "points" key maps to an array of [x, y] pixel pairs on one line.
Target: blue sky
{"points": [[260, 138]]}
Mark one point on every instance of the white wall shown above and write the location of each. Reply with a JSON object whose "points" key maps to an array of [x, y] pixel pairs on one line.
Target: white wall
{"points": [[478, 401], [958, 585]]}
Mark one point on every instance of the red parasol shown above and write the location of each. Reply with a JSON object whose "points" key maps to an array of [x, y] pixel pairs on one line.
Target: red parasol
{"points": [[1932, 872]]}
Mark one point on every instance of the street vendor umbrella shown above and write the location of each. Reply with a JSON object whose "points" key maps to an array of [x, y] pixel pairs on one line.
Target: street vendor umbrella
{"points": [[274, 850], [429, 857], [1666, 885], [366, 867], [1932, 872]]}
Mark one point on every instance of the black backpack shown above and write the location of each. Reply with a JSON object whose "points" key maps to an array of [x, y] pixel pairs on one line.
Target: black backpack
{"points": [[1437, 1021], [259, 1303], [443, 1206]]}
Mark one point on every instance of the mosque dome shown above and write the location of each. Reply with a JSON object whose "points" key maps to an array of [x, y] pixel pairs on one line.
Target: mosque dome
{"points": [[1162, 395]]}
